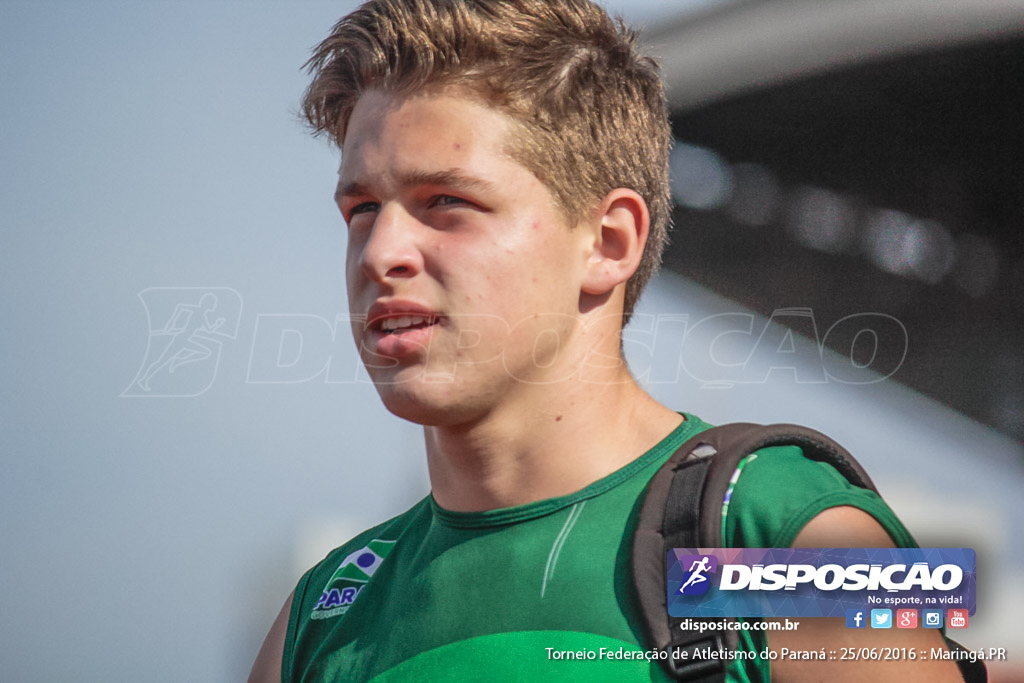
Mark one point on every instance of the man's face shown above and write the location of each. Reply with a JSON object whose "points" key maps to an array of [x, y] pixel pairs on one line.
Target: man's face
{"points": [[463, 276]]}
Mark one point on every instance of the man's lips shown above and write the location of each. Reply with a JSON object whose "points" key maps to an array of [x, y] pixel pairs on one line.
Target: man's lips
{"points": [[403, 323], [400, 329], [390, 318]]}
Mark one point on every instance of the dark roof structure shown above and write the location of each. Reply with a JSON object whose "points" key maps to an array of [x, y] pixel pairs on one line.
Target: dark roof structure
{"points": [[862, 156]]}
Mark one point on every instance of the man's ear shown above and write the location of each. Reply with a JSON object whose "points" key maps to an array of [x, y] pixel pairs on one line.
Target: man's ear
{"points": [[620, 224]]}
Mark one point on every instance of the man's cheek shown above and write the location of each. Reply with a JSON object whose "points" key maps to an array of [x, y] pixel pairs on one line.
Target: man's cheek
{"points": [[537, 344], [465, 341]]}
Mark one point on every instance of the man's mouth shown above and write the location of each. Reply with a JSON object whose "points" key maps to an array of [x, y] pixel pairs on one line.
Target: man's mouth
{"points": [[405, 323]]}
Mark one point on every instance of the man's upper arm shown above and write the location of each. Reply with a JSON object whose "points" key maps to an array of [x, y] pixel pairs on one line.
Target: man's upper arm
{"points": [[849, 527], [267, 667]]}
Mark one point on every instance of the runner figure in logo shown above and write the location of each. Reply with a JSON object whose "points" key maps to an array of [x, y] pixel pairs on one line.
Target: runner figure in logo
{"points": [[697, 582], [188, 327]]}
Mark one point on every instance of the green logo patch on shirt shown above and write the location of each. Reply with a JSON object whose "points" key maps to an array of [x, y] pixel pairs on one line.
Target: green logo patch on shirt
{"points": [[349, 578]]}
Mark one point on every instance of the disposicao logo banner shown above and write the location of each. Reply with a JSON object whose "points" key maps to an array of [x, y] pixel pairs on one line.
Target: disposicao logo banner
{"points": [[816, 582]]}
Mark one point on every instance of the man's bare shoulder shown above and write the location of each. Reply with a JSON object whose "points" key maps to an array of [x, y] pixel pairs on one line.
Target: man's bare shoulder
{"points": [[267, 667], [846, 526]]}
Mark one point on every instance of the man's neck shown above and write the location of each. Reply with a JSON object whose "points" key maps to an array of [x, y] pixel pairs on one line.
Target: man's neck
{"points": [[549, 442]]}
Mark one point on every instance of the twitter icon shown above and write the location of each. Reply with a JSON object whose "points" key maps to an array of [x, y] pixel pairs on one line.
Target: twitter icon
{"points": [[881, 618]]}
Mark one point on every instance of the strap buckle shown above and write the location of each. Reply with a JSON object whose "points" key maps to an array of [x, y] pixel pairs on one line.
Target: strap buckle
{"points": [[691, 668]]}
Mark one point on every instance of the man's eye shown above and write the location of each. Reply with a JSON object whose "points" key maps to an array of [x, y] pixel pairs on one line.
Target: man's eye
{"points": [[447, 200], [360, 209], [365, 207]]}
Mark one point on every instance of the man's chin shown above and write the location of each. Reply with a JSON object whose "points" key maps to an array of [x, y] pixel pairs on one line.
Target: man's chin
{"points": [[427, 408]]}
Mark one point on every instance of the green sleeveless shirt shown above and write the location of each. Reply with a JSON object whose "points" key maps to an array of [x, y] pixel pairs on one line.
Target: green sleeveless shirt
{"points": [[529, 593]]}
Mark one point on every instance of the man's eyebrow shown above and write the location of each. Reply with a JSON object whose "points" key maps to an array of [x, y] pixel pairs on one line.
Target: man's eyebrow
{"points": [[451, 176], [347, 190], [448, 177]]}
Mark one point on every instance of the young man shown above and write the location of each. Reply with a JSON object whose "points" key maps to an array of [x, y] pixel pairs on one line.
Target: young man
{"points": [[504, 181]]}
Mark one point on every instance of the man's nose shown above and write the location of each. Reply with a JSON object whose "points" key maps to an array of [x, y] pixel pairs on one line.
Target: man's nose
{"points": [[392, 248]]}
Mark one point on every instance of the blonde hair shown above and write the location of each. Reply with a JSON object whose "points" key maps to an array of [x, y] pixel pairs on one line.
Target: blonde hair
{"points": [[591, 109]]}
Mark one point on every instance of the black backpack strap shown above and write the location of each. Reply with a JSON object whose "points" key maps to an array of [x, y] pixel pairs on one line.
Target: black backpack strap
{"points": [[683, 509], [723, 448], [734, 442], [670, 518]]}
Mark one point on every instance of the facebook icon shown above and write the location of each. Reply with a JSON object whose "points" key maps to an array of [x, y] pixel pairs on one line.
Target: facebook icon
{"points": [[855, 618]]}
